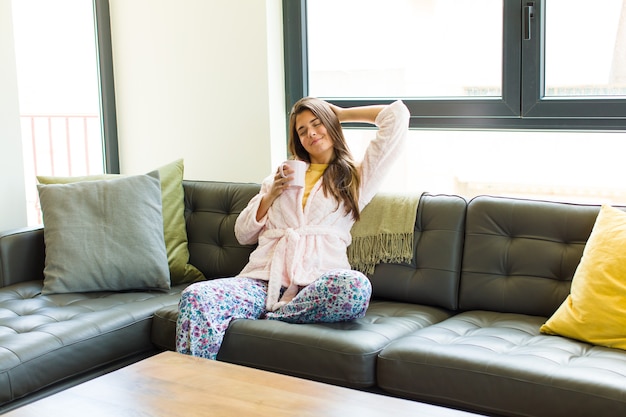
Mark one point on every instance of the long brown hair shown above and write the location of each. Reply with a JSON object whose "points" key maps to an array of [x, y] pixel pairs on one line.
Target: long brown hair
{"points": [[341, 179]]}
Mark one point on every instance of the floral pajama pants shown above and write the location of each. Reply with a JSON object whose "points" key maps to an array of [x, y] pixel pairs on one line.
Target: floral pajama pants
{"points": [[207, 308]]}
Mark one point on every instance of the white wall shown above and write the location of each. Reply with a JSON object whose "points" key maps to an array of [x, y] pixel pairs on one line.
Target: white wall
{"points": [[201, 80], [12, 193]]}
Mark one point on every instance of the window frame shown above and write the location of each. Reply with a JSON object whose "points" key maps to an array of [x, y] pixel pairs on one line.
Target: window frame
{"points": [[108, 113], [522, 105]]}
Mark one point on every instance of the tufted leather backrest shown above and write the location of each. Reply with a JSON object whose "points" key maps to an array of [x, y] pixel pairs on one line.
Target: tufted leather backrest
{"points": [[211, 208], [520, 255], [433, 276]]}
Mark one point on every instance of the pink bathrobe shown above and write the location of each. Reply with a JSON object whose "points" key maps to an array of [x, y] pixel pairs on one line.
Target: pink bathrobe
{"points": [[297, 245]]}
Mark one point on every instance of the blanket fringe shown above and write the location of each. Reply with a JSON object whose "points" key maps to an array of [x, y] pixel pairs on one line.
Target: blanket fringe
{"points": [[367, 251]]}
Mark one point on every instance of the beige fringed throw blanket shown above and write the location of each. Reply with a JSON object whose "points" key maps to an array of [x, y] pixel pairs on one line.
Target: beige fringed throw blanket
{"points": [[385, 232]]}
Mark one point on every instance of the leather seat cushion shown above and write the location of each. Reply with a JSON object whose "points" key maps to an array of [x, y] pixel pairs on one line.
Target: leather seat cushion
{"points": [[43, 338], [500, 363], [338, 353]]}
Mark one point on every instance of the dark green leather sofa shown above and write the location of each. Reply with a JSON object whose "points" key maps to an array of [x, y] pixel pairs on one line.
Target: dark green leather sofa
{"points": [[459, 326]]}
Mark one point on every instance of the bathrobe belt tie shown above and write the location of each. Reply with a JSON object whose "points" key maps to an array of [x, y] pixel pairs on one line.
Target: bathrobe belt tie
{"points": [[288, 256]]}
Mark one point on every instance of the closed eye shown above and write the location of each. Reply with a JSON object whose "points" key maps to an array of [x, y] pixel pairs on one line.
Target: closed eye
{"points": [[302, 130]]}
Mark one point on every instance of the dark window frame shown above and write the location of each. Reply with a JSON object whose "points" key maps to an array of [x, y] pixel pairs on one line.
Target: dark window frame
{"points": [[522, 105], [108, 114]]}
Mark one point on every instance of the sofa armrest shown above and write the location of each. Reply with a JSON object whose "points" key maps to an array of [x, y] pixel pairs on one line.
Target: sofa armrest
{"points": [[22, 255]]}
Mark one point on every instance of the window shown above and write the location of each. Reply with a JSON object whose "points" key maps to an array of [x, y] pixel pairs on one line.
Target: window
{"points": [[593, 65], [546, 64], [507, 97], [400, 63], [573, 72], [67, 110]]}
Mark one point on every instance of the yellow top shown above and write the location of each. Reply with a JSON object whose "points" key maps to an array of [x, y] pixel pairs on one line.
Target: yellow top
{"points": [[313, 174]]}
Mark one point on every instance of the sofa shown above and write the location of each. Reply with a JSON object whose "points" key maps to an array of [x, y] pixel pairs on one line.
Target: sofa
{"points": [[458, 326]]}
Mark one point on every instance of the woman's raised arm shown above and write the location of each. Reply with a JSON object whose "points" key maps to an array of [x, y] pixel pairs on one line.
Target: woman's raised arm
{"points": [[363, 114]]}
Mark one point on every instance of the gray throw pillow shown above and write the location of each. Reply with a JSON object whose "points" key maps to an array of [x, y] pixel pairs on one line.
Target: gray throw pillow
{"points": [[104, 235]]}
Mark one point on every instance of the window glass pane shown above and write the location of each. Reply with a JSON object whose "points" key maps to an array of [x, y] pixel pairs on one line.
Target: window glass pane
{"points": [[550, 165], [58, 90], [585, 48], [405, 48]]}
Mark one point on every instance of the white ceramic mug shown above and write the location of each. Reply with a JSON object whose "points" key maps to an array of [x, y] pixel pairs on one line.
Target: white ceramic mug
{"points": [[299, 170]]}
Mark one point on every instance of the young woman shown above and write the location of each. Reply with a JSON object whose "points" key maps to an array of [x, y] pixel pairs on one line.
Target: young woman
{"points": [[299, 271]]}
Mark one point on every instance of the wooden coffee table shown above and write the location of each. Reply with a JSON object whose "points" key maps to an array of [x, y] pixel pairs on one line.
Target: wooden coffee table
{"points": [[170, 384]]}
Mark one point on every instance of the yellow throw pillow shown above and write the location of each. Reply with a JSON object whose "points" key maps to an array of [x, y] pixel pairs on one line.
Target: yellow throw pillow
{"points": [[595, 309], [174, 229]]}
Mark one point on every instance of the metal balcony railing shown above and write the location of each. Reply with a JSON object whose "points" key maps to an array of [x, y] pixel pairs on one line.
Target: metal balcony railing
{"points": [[59, 145]]}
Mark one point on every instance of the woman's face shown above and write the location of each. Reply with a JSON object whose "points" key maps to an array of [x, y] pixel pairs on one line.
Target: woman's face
{"points": [[314, 138]]}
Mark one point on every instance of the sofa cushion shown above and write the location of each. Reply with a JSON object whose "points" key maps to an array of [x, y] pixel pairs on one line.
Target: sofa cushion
{"points": [[104, 235], [432, 278], [163, 333], [520, 255], [500, 364], [211, 209], [338, 353], [174, 229], [45, 339], [595, 310]]}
